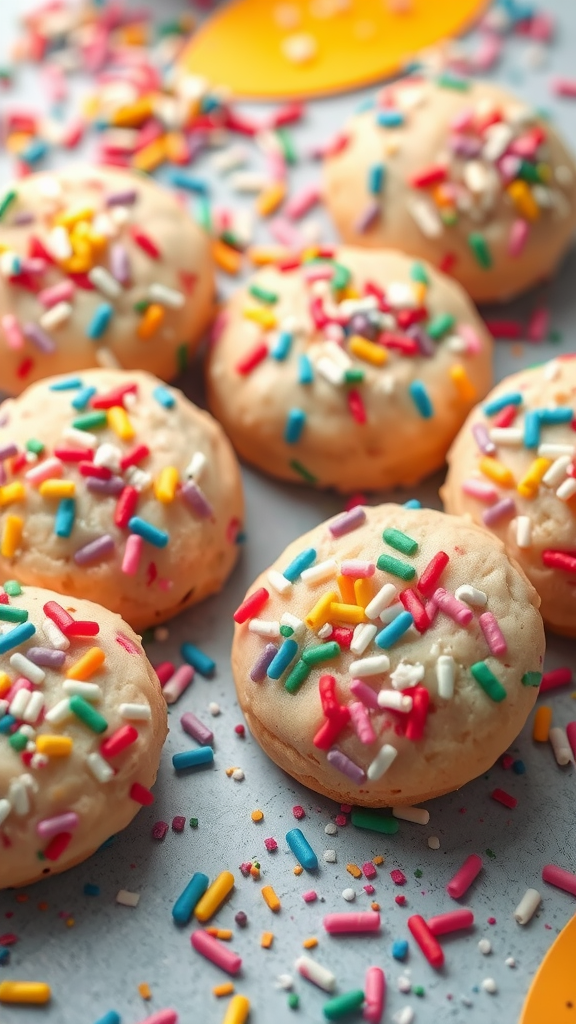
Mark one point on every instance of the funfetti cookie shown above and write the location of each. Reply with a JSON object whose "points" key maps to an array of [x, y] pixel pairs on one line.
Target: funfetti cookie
{"points": [[352, 369], [115, 487], [389, 655], [513, 469], [82, 724], [98, 267], [462, 174]]}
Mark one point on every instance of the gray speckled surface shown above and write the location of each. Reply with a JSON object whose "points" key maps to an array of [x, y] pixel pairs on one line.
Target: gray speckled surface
{"points": [[97, 964]]}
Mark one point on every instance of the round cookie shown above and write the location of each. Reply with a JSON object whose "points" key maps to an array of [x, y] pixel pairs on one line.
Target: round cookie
{"points": [[352, 372], [389, 655], [462, 174], [82, 724], [513, 469], [98, 266], [117, 487]]}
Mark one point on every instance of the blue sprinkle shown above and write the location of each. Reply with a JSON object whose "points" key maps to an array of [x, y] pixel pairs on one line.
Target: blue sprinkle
{"points": [[301, 849], [282, 347], [305, 371], [519, 767], [302, 561], [421, 399], [4, 954], [549, 417], [99, 321], [68, 384], [193, 758], [280, 661], [159, 538], [294, 425], [65, 516], [184, 906], [376, 175], [532, 429], [15, 637], [497, 404], [179, 179], [108, 842], [109, 1018], [367, 104], [34, 151], [164, 397], [91, 890], [388, 636], [400, 949], [389, 118], [6, 724], [80, 401], [413, 503], [200, 661]]}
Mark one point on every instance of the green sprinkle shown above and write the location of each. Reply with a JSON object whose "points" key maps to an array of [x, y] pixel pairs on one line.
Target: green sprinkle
{"points": [[171, 28], [181, 358], [341, 277], [419, 273], [354, 376], [287, 145], [35, 446], [418, 990], [401, 541], [306, 475], [488, 681], [418, 873], [203, 214], [447, 81], [480, 249], [12, 588], [298, 675], [286, 631], [7, 200], [232, 240], [293, 1000], [91, 718], [90, 420], [9, 613], [397, 568], [491, 854], [440, 325], [193, 822], [362, 817], [555, 336], [531, 172], [323, 652], [449, 217], [263, 294], [532, 678], [18, 741], [339, 1006], [142, 305]]}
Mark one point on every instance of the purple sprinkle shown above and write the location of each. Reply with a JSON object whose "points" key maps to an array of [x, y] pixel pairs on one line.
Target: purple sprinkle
{"points": [[95, 550], [23, 218], [347, 521], [365, 693], [46, 656], [115, 485], [369, 214], [124, 198], [501, 510], [423, 340], [7, 451], [241, 919], [159, 830], [464, 145], [482, 438], [120, 263], [39, 337], [196, 729], [197, 500], [262, 664], [346, 766]]}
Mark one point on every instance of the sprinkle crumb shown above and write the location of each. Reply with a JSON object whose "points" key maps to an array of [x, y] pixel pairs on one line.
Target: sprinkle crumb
{"points": [[349, 895], [144, 990], [433, 842], [485, 946], [489, 985], [257, 815]]}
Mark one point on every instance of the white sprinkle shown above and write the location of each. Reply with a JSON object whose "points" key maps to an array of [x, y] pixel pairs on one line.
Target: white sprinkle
{"points": [[330, 370], [433, 842], [101, 770], [524, 532], [466, 1001], [528, 906], [555, 475], [472, 596], [560, 745], [108, 361], [320, 572], [248, 182], [58, 243], [553, 451], [445, 674], [106, 284], [391, 613], [349, 895], [55, 316], [229, 159], [127, 899], [19, 703], [418, 815], [166, 296], [278, 582], [262, 627], [404, 984], [372, 666], [76, 688], [426, 217], [135, 712], [383, 598], [196, 466], [59, 713], [498, 136], [509, 437], [363, 636], [381, 762], [330, 829], [238, 775], [82, 438], [485, 946], [285, 981], [109, 456], [406, 676], [330, 856], [54, 635], [34, 707], [18, 796], [325, 631], [295, 623], [510, 961], [567, 490], [395, 700], [314, 972], [5, 808], [214, 709], [401, 295], [138, 478], [24, 667], [489, 985]]}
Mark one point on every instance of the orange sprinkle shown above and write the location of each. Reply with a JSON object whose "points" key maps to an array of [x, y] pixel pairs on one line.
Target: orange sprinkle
{"points": [[375, 906], [269, 200], [496, 471], [134, 114], [226, 258], [262, 256], [297, 870], [150, 321], [151, 156], [144, 990], [267, 940], [226, 989], [133, 35], [310, 943], [257, 815], [271, 899], [224, 934], [70, 922], [346, 588], [378, 859], [354, 870], [5, 683], [176, 148], [462, 383], [363, 591], [87, 665]]}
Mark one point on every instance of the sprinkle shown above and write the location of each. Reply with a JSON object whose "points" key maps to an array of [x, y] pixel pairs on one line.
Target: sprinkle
{"points": [[100, 321], [395, 630], [480, 249], [95, 550], [348, 923], [497, 472], [501, 510], [91, 718], [542, 723], [559, 877], [319, 654], [192, 758], [527, 907], [347, 521], [302, 561], [301, 849], [559, 560], [421, 398], [178, 683], [462, 880], [271, 899], [394, 566], [17, 636], [282, 659], [150, 533], [315, 973], [378, 767], [25, 992], [418, 815], [556, 677], [259, 670], [493, 634]]}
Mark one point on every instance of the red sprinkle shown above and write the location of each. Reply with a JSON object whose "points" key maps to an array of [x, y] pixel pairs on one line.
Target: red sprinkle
{"points": [[560, 560], [81, 627], [505, 330], [398, 877], [253, 604], [250, 361], [428, 943], [133, 457], [159, 830], [141, 795], [417, 717], [429, 579], [400, 900], [125, 506], [298, 812], [429, 176], [178, 823], [356, 406], [240, 730], [57, 845], [270, 844], [145, 243], [124, 737], [165, 670], [57, 613], [506, 416], [556, 677], [413, 604], [504, 798]]}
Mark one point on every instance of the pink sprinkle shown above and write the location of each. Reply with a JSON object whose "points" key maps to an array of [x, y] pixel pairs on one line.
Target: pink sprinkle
{"points": [[538, 324], [361, 723], [565, 87], [478, 489], [491, 920], [357, 568], [369, 870], [271, 845], [369, 889], [470, 335], [451, 606], [240, 730], [310, 896], [346, 808], [178, 823], [246, 868], [298, 812], [284, 232], [365, 693], [493, 634], [518, 237], [47, 470], [302, 202], [159, 830], [400, 900], [61, 823], [132, 554], [398, 877], [178, 683], [488, 52], [341, 820], [61, 292], [12, 331], [507, 330]]}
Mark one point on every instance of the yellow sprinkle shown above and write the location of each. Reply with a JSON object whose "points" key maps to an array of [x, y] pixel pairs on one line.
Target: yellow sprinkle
{"points": [[267, 940], [69, 218], [150, 321], [530, 482], [144, 990], [17, 142], [87, 665], [119, 421], [368, 351], [462, 383], [226, 989], [151, 156], [134, 114], [54, 746], [257, 815], [166, 483], [238, 1010], [261, 256], [224, 934], [297, 870], [349, 293], [523, 199], [226, 258], [378, 859], [98, 243], [351, 613], [320, 613], [496, 471], [346, 588], [363, 591], [271, 198], [12, 492], [419, 289], [214, 896], [176, 147], [11, 536], [354, 870], [24, 992], [77, 264], [271, 898], [5, 683], [265, 317], [310, 943], [57, 488], [542, 723]]}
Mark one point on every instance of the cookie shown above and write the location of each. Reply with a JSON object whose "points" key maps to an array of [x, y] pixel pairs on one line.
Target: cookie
{"points": [[116, 487], [82, 724], [459, 173], [98, 267], [513, 470], [352, 370], [389, 655]]}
